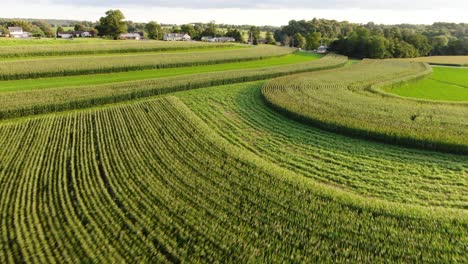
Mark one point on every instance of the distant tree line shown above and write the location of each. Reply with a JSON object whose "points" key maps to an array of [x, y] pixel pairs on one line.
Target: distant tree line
{"points": [[377, 41]]}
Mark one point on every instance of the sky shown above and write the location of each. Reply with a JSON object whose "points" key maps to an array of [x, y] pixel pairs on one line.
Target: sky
{"points": [[258, 12]]}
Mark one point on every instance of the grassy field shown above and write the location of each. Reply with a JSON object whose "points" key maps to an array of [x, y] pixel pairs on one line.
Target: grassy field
{"points": [[443, 60], [446, 83], [348, 101], [193, 164], [69, 65], [83, 47], [39, 101], [57, 82], [12, 42]]}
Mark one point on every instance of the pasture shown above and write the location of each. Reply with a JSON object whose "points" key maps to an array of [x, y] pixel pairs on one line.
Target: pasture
{"points": [[123, 153], [445, 83]]}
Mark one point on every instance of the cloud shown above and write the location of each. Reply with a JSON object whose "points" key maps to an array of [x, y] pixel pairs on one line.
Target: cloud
{"points": [[274, 4]]}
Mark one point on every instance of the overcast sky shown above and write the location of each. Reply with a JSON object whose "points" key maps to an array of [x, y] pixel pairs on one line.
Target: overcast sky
{"points": [[259, 12]]}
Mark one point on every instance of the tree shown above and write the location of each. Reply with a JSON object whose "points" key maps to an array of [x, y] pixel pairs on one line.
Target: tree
{"points": [[377, 48], [37, 32], [236, 34], [45, 28], [254, 35], [59, 29], [286, 40], [112, 24], [3, 31], [154, 30], [79, 27], [299, 40], [20, 23], [93, 32], [210, 30], [313, 41], [189, 29], [270, 39]]}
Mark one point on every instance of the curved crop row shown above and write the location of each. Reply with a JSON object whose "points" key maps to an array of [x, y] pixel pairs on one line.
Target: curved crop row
{"points": [[403, 175], [104, 47], [345, 101], [66, 66], [149, 182], [21, 103]]}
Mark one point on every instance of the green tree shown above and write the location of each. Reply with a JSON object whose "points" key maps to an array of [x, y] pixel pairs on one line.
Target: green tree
{"points": [[45, 28], [189, 29], [154, 30], [236, 34], [270, 39], [59, 29], [3, 31], [210, 30], [254, 35], [377, 47], [112, 24], [37, 32], [313, 40], [299, 41], [20, 23], [79, 27]]}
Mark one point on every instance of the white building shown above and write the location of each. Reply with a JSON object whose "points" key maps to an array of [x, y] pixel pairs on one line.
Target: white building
{"points": [[17, 32], [74, 34], [322, 49], [177, 37], [131, 36], [218, 39]]}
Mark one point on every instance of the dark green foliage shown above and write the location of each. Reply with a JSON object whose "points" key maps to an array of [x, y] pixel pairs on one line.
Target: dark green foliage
{"points": [[112, 25]]}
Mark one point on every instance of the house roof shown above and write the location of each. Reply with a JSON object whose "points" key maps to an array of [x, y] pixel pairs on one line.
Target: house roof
{"points": [[72, 32], [15, 29], [130, 35], [176, 35]]}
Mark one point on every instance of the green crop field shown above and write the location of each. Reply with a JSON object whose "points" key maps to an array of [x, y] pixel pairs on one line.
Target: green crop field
{"points": [[51, 67], [56, 82], [87, 47], [223, 154], [350, 101], [443, 60], [446, 83], [33, 42]]}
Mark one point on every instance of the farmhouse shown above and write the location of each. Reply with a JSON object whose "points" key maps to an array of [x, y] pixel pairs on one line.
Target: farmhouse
{"points": [[322, 49], [130, 36], [74, 34], [177, 37], [218, 39], [17, 32], [207, 38]]}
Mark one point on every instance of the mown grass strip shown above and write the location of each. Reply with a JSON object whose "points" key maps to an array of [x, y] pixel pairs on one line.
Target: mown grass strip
{"points": [[67, 66], [97, 79], [445, 83], [22, 103]]}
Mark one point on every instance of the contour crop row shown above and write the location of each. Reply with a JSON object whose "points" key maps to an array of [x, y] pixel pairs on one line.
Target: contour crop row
{"points": [[347, 101]]}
